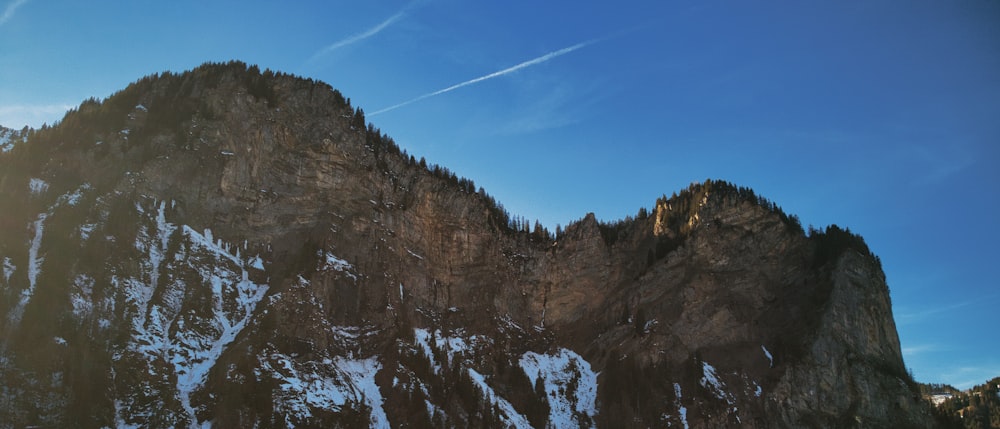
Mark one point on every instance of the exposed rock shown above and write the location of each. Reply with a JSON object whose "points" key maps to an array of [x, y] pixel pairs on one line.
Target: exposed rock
{"points": [[237, 248]]}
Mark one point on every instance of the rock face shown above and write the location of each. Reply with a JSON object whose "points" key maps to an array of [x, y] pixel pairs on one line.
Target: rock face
{"points": [[232, 248]]}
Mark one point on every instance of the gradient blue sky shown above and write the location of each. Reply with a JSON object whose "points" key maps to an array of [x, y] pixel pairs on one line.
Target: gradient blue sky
{"points": [[881, 116]]}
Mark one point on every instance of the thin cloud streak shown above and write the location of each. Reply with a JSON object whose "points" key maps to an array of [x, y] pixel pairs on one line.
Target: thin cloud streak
{"points": [[905, 318], [8, 12], [358, 37], [919, 349], [505, 71], [18, 116]]}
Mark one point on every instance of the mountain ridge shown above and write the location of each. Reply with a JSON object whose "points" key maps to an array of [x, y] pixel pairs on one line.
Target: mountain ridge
{"points": [[253, 252]]}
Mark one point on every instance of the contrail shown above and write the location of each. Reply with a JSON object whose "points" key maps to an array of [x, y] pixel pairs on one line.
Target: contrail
{"points": [[8, 13], [358, 37], [508, 70]]}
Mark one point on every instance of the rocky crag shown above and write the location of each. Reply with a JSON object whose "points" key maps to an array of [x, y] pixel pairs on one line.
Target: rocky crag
{"points": [[233, 248]]}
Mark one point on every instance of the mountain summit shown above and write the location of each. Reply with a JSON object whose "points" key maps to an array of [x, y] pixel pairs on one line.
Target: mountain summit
{"points": [[233, 248]]}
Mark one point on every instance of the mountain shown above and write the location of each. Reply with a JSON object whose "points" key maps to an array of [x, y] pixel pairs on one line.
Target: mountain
{"points": [[975, 408], [228, 247]]}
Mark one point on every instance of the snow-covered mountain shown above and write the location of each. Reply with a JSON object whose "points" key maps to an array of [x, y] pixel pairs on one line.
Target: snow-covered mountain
{"points": [[230, 248]]}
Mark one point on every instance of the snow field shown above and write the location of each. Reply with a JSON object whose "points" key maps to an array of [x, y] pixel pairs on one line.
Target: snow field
{"points": [[570, 384]]}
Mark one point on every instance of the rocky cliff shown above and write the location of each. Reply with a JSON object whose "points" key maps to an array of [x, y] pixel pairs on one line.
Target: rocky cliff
{"points": [[231, 248]]}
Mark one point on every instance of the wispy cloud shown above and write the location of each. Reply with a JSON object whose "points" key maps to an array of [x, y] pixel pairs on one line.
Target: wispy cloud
{"points": [[919, 349], [908, 317], [939, 165], [8, 12], [17, 116], [512, 69], [966, 377], [350, 40]]}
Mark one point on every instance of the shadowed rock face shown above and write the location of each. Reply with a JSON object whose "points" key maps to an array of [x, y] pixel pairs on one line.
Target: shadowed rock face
{"points": [[234, 248]]}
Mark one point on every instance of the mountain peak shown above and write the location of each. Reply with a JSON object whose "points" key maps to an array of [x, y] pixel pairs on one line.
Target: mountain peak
{"points": [[241, 248]]}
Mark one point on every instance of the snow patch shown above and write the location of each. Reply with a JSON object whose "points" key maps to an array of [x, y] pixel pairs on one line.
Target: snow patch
{"points": [[710, 380], [205, 241], [431, 409], [328, 386], [422, 338], [362, 374], [6, 139], [162, 237], [452, 346], [414, 254], [8, 269], [82, 295], [85, 230], [332, 262], [73, 198], [570, 384], [347, 332], [770, 359], [509, 415], [256, 263], [190, 342], [37, 186], [681, 409], [34, 268]]}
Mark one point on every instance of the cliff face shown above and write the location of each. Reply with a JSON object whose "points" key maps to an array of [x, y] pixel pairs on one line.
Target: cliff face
{"points": [[232, 248]]}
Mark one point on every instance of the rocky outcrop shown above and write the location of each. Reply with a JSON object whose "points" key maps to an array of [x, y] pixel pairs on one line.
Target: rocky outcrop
{"points": [[237, 248]]}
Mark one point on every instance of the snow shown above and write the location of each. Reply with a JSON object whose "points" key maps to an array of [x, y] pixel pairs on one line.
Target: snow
{"points": [[710, 380], [85, 230], [509, 415], [422, 338], [73, 198], [120, 422], [327, 386], [191, 343], [413, 254], [681, 409], [332, 262], [301, 391], [162, 234], [431, 409], [8, 269], [5, 140], [559, 373], [452, 346], [256, 263], [34, 268], [939, 399], [348, 332], [362, 374], [770, 359], [206, 242], [190, 375], [37, 186], [81, 295]]}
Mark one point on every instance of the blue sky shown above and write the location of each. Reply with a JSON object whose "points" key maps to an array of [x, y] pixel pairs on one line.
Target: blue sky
{"points": [[880, 116]]}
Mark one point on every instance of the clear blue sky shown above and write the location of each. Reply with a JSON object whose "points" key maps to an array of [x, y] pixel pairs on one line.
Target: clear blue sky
{"points": [[880, 116]]}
